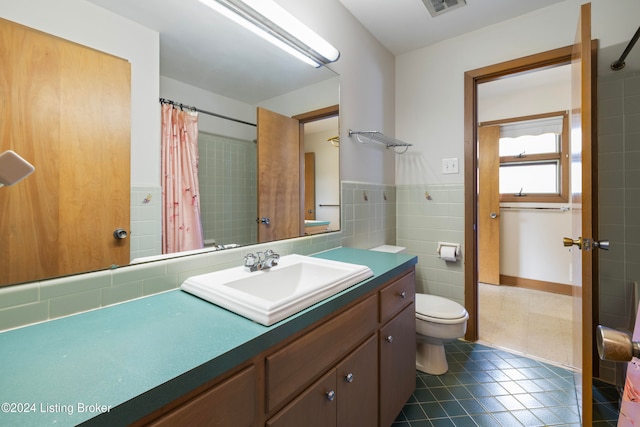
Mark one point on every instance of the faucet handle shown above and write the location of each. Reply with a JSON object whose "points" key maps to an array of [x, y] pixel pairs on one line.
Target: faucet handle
{"points": [[250, 260], [272, 256]]}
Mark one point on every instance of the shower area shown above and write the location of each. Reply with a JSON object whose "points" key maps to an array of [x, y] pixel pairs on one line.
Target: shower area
{"points": [[619, 193]]}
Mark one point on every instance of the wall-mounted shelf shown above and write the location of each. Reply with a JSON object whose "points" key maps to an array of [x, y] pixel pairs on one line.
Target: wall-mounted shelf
{"points": [[366, 136]]}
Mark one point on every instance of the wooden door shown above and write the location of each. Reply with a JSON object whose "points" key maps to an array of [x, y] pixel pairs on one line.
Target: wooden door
{"points": [[583, 162], [66, 109], [280, 166], [309, 185], [489, 205]]}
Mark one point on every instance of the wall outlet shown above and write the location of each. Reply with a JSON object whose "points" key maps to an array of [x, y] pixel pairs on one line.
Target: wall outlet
{"points": [[450, 165]]}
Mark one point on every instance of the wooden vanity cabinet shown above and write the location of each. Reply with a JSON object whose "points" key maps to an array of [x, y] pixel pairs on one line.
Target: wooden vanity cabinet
{"points": [[354, 368]]}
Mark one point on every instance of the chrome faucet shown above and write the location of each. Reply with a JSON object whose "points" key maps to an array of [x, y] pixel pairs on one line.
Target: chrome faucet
{"points": [[261, 260]]}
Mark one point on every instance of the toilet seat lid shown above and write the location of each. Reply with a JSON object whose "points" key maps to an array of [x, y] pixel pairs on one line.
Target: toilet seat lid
{"points": [[440, 308]]}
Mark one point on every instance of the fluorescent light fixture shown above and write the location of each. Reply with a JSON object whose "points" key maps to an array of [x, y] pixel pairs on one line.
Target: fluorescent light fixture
{"points": [[271, 22]]}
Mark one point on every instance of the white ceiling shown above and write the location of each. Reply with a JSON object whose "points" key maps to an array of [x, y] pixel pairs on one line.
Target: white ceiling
{"points": [[405, 25]]}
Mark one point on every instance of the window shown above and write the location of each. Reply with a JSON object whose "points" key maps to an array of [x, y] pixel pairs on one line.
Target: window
{"points": [[533, 159]]}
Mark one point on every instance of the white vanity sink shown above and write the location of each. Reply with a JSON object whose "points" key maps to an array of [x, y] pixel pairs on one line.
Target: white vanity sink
{"points": [[268, 296]]}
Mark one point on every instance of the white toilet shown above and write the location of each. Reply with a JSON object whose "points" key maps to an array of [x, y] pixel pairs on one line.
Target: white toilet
{"points": [[437, 320]]}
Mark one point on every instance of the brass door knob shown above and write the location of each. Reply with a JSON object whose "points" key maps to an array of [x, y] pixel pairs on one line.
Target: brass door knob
{"points": [[568, 242]]}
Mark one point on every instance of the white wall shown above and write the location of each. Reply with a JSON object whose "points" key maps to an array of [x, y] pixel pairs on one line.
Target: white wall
{"points": [[430, 81]]}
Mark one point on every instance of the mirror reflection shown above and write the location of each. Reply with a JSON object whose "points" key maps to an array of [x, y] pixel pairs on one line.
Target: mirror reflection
{"points": [[230, 72]]}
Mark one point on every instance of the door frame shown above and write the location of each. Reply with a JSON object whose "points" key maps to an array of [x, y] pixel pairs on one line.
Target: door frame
{"points": [[536, 62], [303, 118]]}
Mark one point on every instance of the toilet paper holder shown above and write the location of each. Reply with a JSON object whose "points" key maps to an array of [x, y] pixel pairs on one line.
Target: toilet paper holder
{"points": [[455, 246], [615, 345]]}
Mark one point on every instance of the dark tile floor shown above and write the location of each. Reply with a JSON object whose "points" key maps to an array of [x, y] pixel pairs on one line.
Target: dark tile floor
{"points": [[491, 387]]}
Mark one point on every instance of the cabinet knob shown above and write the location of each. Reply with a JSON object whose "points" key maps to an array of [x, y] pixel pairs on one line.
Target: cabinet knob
{"points": [[331, 395], [403, 294], [389, 339], [349, 377]]}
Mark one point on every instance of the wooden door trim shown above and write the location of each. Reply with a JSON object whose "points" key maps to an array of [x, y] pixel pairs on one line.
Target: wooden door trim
{"points": [[322, 113], [472, 78]]}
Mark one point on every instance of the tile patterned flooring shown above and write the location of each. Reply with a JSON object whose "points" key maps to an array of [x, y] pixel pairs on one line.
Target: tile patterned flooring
{"points": [[486, 386]]}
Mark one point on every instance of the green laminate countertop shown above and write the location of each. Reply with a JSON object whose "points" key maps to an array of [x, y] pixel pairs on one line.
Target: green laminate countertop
{"points": [[113, 365]]}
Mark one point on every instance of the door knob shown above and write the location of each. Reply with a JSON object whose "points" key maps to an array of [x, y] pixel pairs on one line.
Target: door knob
{"points": [[602, 244], [586, 244], [493, 215], [120, 233], [615, 345], [568, 242], [263, 220]]}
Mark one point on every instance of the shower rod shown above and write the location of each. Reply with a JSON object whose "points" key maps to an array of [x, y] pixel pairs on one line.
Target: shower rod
{"points": [[190, 108], [619, 64]]}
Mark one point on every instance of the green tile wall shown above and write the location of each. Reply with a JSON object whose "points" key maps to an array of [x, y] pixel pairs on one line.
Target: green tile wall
{"points": [[365, 223], [428, 214]]}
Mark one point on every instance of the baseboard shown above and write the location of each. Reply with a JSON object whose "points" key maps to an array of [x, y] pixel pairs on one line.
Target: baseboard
{"points": [[538, 285]]}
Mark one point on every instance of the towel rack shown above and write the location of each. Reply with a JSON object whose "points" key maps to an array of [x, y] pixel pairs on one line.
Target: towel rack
{"points": [[366, 136]]}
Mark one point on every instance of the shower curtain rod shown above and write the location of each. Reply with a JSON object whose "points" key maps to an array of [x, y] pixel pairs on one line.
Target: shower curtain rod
{"points": [[619, 64], [188, 107]]}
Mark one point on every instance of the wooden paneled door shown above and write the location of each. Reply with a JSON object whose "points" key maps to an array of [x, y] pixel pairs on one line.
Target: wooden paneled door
{"points": [[280, 164], [489, 205], [583, 197], [66, 109]]}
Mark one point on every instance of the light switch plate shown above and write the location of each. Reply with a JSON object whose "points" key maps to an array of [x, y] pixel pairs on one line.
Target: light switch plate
{"points": [[450, 165]]}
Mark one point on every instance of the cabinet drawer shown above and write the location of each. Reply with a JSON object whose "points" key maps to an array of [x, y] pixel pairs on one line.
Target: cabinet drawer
{"points": [[291, 368], [231, 402], [397, 295]]}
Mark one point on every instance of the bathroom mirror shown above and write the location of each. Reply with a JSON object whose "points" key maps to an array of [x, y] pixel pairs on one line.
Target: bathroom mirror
{"points": [[211, 53]]}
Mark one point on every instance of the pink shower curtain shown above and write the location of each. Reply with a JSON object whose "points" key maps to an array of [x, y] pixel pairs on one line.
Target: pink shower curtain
{"points": [[181, 225]]}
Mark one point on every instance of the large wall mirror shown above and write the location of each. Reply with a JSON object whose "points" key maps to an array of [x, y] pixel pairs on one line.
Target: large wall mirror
{"points": [[208, 62]]}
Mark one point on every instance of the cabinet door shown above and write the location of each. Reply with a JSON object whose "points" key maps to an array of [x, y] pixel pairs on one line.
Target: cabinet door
{"points": [[315, 407], [357, 387], [291, 368], [231, 403], [397, 343]]}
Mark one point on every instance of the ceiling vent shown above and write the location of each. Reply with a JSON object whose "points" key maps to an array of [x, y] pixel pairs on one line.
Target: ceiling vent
{"points": [[438, 7]]}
